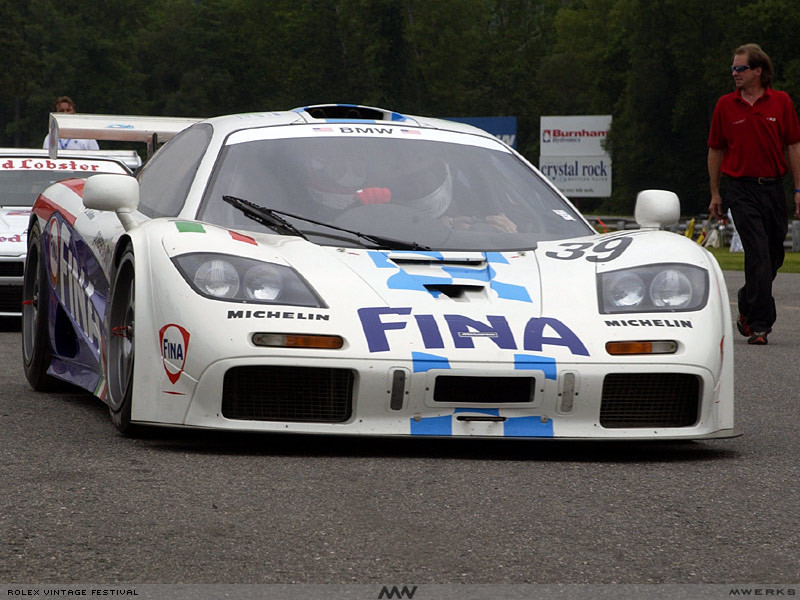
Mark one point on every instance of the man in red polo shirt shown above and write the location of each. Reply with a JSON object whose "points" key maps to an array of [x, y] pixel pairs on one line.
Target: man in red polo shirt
{"points": [[753, 130]]}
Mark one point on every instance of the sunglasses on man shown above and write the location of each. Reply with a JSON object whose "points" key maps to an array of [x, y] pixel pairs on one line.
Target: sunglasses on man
{"points": [[739, 68]]}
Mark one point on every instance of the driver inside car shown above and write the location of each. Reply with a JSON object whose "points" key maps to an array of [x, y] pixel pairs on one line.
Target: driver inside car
{"points": [[341, 180]]}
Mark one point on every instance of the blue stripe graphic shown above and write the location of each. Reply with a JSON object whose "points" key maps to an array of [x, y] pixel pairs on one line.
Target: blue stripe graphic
{"points": [[546, 364], [425, 362]]}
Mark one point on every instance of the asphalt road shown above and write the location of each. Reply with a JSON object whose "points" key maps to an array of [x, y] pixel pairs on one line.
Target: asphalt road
{"points": [[83, 504]]}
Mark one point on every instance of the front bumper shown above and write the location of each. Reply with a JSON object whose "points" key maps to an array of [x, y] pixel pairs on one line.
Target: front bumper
{"points": [[570, 401]]}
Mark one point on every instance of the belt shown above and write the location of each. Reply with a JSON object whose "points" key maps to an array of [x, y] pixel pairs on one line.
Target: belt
{"points": [[759, 180]]}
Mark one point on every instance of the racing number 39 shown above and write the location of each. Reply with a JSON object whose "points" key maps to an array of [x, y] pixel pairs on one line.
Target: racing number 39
{"points": [[605, 251]]}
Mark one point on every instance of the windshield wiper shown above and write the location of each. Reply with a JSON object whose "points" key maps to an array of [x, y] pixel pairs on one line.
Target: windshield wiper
{"points": [[272, 219], [265, 216]]}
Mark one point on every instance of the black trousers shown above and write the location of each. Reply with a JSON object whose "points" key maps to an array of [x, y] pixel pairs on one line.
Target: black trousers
{"points": [[759, 213]]}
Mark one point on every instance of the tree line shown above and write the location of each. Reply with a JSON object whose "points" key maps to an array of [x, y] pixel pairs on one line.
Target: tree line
{"points": [[657, 66]]}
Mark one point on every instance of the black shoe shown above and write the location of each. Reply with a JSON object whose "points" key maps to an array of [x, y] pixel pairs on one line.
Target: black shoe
{"points": [[759, 338], [743, 327]]}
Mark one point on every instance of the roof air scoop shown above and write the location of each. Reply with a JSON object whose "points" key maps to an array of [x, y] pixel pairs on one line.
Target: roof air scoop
{"points": [[352, 112]]}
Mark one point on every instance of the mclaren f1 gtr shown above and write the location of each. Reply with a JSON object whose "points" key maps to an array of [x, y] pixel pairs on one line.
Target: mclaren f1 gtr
{"points": [[343, 269]]}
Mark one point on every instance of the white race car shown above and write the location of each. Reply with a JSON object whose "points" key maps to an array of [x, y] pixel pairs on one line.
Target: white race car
{"points": [[24, 172], [343, 269]]}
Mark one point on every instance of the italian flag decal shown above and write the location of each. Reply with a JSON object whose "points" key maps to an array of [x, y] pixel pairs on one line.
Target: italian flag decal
{"points": [[189, 227], [186, 227]]}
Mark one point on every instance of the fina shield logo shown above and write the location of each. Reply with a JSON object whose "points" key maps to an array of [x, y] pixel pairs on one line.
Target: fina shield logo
{"points": [[547, 136], [174, 342]]}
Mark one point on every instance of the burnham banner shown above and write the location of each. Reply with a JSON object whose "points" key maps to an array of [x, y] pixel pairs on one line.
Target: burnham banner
{"points": [[572, 154]]}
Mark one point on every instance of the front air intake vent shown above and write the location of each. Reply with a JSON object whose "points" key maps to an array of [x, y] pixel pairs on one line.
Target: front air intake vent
{"points": [[11, 298], [297, 394], [636, 400], [12, 268]]}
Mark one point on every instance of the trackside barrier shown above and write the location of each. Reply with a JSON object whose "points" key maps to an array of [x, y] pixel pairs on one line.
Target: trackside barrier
{"points": [[616, 223]]}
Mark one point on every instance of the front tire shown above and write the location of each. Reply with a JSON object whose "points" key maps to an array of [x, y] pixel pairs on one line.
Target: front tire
{"points": [[121, 343], [36, 354]]}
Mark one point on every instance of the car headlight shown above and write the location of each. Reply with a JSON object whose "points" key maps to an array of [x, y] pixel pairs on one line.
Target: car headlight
{"points": [[626, 290], [217, 278], [263, 283], [654, 288], [239, 279], [671, 289]]}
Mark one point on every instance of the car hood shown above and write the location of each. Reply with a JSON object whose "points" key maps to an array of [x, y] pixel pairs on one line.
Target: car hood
{"points": [[462, 278], [13, 230]]}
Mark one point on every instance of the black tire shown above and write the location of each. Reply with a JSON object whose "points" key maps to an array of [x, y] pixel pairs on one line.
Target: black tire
{"points": [[36, 355], [121, 344]]}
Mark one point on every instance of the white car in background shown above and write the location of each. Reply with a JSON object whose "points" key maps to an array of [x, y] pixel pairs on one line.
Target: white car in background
{"points": [[24, 173], [349, 270]]}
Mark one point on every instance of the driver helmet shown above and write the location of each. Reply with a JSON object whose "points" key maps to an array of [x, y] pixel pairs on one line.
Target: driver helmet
{"points": [[427, 187], [334, 178], [337, 175]]}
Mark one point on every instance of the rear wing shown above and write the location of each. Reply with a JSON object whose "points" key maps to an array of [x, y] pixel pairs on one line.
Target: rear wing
{"points": [[117, 128]]}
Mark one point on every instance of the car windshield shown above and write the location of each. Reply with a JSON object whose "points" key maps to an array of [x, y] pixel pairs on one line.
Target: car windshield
{"points": [[447, 194], [23, 179]]}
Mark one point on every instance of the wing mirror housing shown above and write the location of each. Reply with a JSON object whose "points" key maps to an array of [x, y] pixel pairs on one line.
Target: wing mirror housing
{"points": [[112, 192], [657, 208]]}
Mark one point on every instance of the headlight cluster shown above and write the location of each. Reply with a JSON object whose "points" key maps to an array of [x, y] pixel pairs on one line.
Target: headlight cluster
{"points": [[238, 279], [654, 288]]}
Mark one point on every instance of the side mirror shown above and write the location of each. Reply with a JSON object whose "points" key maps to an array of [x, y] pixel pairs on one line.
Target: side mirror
{"points": [[108, 191], [657, 208]]}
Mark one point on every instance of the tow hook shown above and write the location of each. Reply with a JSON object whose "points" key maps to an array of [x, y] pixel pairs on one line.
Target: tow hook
{"points": [[125, 331]]}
